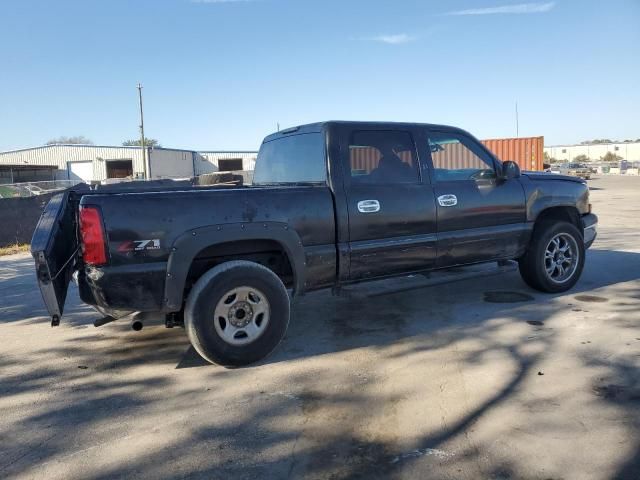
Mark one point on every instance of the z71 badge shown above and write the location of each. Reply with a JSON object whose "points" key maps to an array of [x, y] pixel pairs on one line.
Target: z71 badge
{"points": [[139, 245]]}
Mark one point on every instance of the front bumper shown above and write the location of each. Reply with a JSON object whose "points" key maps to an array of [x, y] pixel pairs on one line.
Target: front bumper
{"points": [[589, 224]]}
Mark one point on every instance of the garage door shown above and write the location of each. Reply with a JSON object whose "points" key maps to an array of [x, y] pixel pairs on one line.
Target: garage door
{"points": [[80, 171]]}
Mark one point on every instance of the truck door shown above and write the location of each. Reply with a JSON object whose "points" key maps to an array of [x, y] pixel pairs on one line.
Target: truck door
{"points": [[392, 222], [480, 216]]}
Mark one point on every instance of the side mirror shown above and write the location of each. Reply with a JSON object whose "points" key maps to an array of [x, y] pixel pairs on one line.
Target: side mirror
{"points": [[510, 170]]}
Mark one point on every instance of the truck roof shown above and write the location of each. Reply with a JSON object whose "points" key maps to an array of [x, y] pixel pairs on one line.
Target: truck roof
{"points": [[319, 126]]}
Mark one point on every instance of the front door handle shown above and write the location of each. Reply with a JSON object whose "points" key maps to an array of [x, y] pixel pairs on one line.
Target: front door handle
{"points": [[368, 206], [447, 200]]}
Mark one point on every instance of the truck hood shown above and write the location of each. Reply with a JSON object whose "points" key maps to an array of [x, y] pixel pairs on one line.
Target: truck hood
{"points": [[538, 176]]}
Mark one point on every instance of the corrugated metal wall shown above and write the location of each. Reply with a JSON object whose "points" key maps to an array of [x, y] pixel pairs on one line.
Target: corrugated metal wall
{"points": [[60, 155], [455, 156], [103, 154], [527, 152], [365, 159], [207, 162], [166, 163]]}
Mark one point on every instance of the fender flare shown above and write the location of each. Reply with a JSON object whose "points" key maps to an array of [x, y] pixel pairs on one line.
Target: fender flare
{"points": [[189, 244], [541, 205]]}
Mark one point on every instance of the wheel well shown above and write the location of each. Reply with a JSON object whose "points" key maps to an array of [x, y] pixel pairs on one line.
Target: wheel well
{"points": [[269, 253], [563, 214]]}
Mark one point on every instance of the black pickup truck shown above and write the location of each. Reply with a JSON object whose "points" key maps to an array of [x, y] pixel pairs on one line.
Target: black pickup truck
{"points": [[331, 203]]}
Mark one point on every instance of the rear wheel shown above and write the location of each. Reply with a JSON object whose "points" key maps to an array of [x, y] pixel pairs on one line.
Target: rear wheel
{"points": [[555, 258], [237, 313]]}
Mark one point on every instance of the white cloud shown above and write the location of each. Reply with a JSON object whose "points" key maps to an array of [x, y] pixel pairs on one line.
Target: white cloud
{"points": [[518, 8], [395, 39]]}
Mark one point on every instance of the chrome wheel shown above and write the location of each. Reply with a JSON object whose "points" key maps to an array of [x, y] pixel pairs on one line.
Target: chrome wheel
{"points": [[241, 315], [561, 258]]}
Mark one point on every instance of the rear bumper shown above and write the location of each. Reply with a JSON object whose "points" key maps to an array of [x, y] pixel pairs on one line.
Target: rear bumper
{"points": [[589, 224], [137, 287]]}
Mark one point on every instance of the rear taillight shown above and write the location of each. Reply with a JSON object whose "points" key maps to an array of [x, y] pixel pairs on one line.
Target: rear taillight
{"points": [[92, 233]]}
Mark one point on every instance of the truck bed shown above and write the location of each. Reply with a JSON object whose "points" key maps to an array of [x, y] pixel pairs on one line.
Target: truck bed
{"points": [[145, 223]]}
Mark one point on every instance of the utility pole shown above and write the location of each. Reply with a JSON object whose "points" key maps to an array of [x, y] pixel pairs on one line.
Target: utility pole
{"points": [[142, 142], [517, 126]]}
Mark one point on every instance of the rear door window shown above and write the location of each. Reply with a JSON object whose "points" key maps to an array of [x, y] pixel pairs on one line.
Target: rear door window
{"points": [[383, 157]]}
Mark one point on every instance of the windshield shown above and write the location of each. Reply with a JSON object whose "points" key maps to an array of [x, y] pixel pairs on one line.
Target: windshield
{"points": [[291, 159]]}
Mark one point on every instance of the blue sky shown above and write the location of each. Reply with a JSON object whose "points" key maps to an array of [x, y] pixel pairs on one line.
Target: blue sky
{"points": [[219, 74]]}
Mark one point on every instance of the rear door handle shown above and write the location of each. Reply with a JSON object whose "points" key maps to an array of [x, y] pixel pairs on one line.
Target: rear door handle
{"points": [[447, 200], [368, 206]]}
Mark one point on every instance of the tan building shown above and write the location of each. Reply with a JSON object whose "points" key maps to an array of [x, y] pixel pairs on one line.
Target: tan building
{"points": [[98, 163]]}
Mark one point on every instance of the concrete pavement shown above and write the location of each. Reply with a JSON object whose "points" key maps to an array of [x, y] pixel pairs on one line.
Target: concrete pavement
{"points": [[389, 381]]}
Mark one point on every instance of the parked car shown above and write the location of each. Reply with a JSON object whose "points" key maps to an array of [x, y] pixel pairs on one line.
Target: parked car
{"points": [[550, 168], [331, 204], [577, 170]]}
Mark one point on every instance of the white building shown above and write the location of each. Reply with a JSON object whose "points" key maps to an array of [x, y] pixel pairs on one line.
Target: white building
{"points": [[97, 163], [628, 151], [212, 161]]}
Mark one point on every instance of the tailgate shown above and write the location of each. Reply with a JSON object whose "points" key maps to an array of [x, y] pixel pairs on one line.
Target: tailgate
{"points": [[54, 247]]}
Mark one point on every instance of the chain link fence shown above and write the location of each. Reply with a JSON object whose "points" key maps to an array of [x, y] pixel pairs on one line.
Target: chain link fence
{"points": [[33, 189]]}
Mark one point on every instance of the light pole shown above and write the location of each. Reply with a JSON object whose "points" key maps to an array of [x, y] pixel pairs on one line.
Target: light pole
{"points": [[142, 142]]}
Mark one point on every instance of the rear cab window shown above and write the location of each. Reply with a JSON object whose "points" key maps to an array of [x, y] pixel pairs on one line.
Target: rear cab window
{"points": [[292, 159]]}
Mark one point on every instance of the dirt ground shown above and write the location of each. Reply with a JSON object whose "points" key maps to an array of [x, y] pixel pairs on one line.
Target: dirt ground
{"points": [[484, 378]]}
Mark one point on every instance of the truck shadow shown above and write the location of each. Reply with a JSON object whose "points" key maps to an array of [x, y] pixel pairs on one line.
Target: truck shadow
{"points": [[364, 316], [386, 311], [97, 394], [438, 312]]}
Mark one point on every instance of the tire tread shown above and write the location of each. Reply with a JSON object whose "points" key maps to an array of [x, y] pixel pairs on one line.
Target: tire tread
{"points": [[213, 275], [532, 271]]}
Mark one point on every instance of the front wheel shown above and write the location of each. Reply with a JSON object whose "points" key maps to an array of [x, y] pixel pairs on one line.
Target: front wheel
{"points": [[237, 313], [555, 258]]}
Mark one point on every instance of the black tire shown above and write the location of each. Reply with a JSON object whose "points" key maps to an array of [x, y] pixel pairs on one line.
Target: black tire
{"points": [[532, 264], [206, 295]]}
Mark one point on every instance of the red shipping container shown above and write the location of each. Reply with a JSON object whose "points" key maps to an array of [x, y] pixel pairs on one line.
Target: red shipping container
{"points": [[527, 152]]}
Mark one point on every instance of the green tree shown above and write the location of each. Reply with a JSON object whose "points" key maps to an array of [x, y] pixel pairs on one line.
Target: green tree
{"points": [[581, 159], [149, 142], [611, 157], [549, 159], [77, 140]]}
